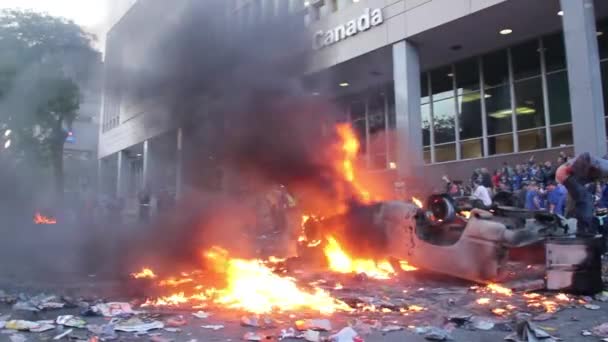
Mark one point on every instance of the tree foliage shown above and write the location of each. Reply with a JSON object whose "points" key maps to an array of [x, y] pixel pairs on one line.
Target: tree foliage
{"points": [[43, 62]]}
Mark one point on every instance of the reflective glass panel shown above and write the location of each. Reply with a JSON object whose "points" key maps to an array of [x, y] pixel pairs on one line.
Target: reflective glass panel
{"points": [[559, 97], [424, 88], [442, 84], [602, 29], [561, 136], [425, 111], [445, 153], [469, 114], [529, 107], [526, 60], [444, 113], [467, 76], [498, 108], [532, 140], [471, 149], [555, 52], [495, 68], [500, 144], [426, 152]]}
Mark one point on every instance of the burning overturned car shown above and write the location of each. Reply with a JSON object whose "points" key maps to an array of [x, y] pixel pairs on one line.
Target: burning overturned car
{"points": [[477, 244]]}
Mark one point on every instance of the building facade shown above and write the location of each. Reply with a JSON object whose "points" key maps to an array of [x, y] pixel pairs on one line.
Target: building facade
{"points": [[431, 86]]}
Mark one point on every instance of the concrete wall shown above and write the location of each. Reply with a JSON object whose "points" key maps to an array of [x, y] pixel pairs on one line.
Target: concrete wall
{"points": [[402, 19]]}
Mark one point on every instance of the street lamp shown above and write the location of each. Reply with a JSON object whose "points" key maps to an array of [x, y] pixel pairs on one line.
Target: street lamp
{"points": [[7, 132], [7, 144]]}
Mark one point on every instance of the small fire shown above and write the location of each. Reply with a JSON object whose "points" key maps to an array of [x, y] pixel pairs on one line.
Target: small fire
{"points": [[495, 288], [341, 262], [41, 219], [253, 287], [174, 282], [483, 301], [417, 202], [499, 311], [145, 273], [405, 266], [465, 213], [562, 297]]}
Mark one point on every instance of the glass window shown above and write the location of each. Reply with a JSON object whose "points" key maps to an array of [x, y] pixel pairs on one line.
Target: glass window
{"points": [[602, 29], [471, 149], [495, 68], [561, 135], [425, 111], [442, 83], [377, 127], [498, 107], [469, 115], [532, 140], [500, 144], [555, 52], [526, 60], [426, 152], [467, 76], [559, 97], [445, 153], [529, 104], [443, 121], [424, 88], [604, 67]]}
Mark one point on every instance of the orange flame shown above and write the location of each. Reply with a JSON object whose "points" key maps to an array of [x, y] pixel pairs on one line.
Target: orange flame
{"points": [[145, 273], [417, 202], [41, 219], [495, 288], [341, 262], [465, 214], [350, 148], [483, 301], [253, 287]]}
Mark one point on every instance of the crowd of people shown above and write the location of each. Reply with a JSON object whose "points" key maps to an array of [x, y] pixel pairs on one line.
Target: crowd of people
{"points": [[530, 185]]}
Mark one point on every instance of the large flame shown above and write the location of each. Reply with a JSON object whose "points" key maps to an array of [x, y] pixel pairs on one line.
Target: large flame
{"points": [[252, 286], [339, 261], [349, 146]]}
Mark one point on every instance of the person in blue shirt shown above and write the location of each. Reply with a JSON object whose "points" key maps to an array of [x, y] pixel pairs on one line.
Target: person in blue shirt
{"points": [[533, 197], [556, 198]]}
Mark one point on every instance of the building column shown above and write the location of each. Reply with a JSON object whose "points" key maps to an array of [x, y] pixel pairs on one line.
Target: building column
{"points": [[406, 75], [178, 166], [584, 77], [145, 173], [120, 174]]}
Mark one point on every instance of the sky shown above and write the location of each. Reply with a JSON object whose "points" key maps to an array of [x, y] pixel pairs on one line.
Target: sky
{"points": [[95, 16]]}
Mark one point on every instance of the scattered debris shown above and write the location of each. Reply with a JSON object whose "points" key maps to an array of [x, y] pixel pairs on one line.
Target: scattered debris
{"points": [[347, 334], [586, 333], [481, 323], [174, 322], [600, 330], [525, 331], [312, 336], [114, 309], [313, 324], [160, 339], [460, 318], [173, 330], [252, 336], [213, 327], [105, 332], [390, 328], [592, 307], [17, 338], [138, 325], [71, 321], [201, 314], [62, 335], [434, 333], [543, 317], [290, 333], [22, 325], [602, 296]]}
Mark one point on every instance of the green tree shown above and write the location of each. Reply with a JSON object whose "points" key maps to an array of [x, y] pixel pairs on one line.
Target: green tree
{"points": [[43, 59]]}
